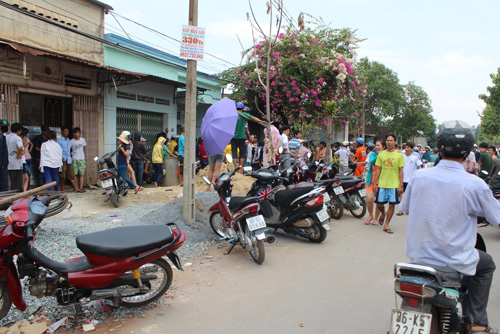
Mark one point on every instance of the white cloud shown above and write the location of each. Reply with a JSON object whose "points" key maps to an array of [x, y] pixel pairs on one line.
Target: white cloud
{"points": [[447, 107], [457, 63]]}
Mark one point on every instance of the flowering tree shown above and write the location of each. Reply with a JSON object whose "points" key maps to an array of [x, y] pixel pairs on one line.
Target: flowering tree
{"points": [[306, 70]]}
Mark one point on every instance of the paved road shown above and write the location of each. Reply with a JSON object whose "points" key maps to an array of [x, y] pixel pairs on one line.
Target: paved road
{"points": [[344, 285]]}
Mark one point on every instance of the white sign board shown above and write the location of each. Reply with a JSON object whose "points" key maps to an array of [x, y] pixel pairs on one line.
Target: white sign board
{"points": [[192, 42]]}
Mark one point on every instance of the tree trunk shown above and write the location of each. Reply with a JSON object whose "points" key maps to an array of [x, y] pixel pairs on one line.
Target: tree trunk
{"points": [[329, 135]]}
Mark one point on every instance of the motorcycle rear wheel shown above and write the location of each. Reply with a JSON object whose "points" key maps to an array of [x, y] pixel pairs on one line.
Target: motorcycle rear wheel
{"points": [[359, 212], [319, 233], [257, 251], [5, 300], [158, 286], [336, 208], [114, 199]]}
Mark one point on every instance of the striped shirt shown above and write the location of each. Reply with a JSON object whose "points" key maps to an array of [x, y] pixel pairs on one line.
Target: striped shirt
{"points": [[293, 146]]}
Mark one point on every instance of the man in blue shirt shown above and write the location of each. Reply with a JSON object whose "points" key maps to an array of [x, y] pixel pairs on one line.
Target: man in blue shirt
{"points": [[180, 157], [67, 172], [294, 146], [444, 234]]}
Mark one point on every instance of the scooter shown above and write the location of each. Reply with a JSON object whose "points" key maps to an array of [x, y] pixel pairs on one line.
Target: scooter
{"points": [[121, 264], [431, 299], [237, 219], [114, 186], [354, 196]]}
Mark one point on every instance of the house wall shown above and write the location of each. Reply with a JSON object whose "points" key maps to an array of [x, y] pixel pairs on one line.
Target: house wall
{"points": [[81, 15]]}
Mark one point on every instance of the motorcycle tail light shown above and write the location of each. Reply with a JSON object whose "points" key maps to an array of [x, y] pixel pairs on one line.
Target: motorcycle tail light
{"points": [[252, 209], [414, 290], [104, 175], [315, 201]]}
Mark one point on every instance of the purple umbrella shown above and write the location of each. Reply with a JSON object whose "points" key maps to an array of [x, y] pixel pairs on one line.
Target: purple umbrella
{"points": [[218, 125]]}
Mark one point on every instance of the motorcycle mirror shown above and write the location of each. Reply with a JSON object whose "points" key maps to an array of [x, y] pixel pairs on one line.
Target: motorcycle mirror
{"points": [[247, 169], [207, 181], [485, 172], [96, 159], [229, 158], [280, 150]]}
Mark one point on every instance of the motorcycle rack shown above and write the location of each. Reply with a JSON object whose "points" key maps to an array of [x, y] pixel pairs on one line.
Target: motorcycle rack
{"points": [[161, 249]]}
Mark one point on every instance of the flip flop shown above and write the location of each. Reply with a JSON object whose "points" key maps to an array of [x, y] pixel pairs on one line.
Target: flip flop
{"points": [[381, 221], [400, 213], [388, 231], [368, 221], [375, 223]]}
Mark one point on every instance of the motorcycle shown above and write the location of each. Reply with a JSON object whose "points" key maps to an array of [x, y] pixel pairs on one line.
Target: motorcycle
{"points": [[302, 210], [114, 186], [431, 299], [354, 196], [123, 264], [237, 219]]}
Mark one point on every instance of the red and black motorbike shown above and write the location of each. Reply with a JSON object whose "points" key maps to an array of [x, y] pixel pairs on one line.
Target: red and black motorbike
{"points": [[121, 264]]}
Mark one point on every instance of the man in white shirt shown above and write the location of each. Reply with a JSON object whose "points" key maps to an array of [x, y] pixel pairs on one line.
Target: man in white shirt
{"points": [[16, 154], [285, 155], [412, 163], [343, 154], [443, 204]]}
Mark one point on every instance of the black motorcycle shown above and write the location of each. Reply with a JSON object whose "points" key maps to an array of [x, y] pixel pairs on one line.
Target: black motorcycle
{"points": [[115, 187]]}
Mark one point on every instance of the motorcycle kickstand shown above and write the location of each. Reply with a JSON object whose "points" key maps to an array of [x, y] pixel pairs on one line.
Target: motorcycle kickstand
{"points": [[78, 313], [231, 249]]}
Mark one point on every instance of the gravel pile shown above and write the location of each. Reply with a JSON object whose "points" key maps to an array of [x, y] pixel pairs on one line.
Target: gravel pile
{"points": [[56, 239]]}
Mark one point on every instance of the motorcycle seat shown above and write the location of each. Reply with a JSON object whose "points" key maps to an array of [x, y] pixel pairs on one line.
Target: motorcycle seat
{"points": [[238, 202], [350, 183], [449, 278], [265, 174], [283, 198], [122, 242], [322, 182]]}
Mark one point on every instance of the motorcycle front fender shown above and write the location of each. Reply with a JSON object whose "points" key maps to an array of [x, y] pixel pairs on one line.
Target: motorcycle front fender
{"points": [[14, 286], [214, 207]]}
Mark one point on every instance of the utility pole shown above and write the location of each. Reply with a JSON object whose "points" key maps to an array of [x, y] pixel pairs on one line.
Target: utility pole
{"points": [[364, 118], [188, 207]]}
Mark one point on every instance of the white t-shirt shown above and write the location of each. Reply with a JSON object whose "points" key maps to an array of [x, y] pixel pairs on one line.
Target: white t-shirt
{"points": [[411, 164], [343, 154], [13, 143], [284, 143], [77, 146]]}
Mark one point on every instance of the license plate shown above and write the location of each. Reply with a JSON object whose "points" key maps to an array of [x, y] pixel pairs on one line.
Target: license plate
{"points": [[256, 222], [326, 197], [362, 192], [338, 190], [107, 183], [403, 321], [322, 215]]}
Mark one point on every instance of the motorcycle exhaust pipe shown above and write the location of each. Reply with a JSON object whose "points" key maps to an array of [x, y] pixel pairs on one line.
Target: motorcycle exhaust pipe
{"points": [[270, 239]]}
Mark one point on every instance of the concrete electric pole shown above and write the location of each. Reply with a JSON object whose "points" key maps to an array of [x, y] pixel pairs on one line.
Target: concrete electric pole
{"points": [[188, 207]]}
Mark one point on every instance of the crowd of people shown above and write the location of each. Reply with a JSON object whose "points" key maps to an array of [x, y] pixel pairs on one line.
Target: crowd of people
{"points": [[48, 158]]}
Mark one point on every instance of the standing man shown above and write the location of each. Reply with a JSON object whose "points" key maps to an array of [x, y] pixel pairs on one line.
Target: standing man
{"points": [[4, 156], [443, 204], [180, 155], [35, 154], [15, 148], [485, 161], [294, 146], [476, 152], [251, 150], [67, 172], [360, 156], [285, 155], [78, 144], [388, 180], [343, 155], [240, 133], [412, 163]]}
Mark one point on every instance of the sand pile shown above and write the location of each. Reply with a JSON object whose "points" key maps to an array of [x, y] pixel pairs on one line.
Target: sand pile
{"points": [[241, 184]]}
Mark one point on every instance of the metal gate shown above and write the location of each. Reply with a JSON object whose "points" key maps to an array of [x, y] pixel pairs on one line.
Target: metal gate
{"points": [[86, 117], [9, 103], [149, 123]]}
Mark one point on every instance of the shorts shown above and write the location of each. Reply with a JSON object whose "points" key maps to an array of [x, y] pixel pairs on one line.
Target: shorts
{"points": [[212, 160], [79, 167], [181, 165], [237, 143], [385, 195], [67, 172], [26, 169]]}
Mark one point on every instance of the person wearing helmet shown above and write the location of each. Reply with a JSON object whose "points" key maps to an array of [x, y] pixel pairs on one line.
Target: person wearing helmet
{"points": [[240, 135], [360, 156], [130, 170], [123, 156], [444, 234], [343, 155]]}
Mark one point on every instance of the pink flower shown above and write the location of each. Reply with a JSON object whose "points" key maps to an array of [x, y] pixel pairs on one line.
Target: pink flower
{"points": [[291, 99], [281, 36], [273, 83], [276, 54], [320, 81], [315, 93], [323, 123], [238, 70], [318, 103]]}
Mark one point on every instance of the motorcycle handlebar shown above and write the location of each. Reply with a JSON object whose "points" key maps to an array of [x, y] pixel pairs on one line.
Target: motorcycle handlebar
{"points": [[47, 199], [28, 229]]}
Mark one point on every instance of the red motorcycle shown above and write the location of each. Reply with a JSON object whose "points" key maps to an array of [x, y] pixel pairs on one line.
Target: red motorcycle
{"points": [[121, 264], [236, 219]]}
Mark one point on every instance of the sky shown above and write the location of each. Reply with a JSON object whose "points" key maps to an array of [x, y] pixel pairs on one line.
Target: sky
{"points": [[448, 47]]}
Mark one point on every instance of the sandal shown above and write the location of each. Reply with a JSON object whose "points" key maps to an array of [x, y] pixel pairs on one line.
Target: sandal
{"points": [[488, 330], [400, 213], [388, 231], [381, 220], [137, 189], [368, 221]]}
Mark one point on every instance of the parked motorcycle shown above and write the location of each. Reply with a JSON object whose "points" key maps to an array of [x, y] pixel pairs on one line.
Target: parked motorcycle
{"points": [[122, 264], [114, 186], [237, 219], [431, 299], [354, 196]]}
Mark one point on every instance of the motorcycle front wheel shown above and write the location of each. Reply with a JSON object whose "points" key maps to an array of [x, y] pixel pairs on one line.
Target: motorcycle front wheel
{"points": [[358, 205], [114, 198], [5, 300], [217, 224], [158, 286]]}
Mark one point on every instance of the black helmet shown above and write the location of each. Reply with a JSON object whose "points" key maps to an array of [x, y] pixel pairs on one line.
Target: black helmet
{"points": [[455, 138]]}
